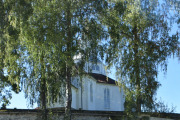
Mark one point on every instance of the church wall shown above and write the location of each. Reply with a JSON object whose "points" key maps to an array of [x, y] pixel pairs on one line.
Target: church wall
{"points": [[116, 97], [99, 97], [79, 98], [86, 97], [116, 100], [93, 98], [84, 94], [74, 98], [91, 93]]}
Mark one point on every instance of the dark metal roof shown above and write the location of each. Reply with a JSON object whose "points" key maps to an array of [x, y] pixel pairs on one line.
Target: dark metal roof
{"points": [[102, 78]]}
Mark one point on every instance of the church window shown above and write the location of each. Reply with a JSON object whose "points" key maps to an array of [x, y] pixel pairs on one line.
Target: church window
{"points": [[97, 67], [86, 66], [106, 98], [93, 67], [91, 92]]}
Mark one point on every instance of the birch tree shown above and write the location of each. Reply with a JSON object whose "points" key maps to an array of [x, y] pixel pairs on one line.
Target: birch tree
{"points": [[139, 43], [53, 34], [10, 49]]}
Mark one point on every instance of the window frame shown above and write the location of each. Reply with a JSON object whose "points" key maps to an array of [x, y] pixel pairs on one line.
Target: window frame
{"points": [[106, 98], [91, 92]]}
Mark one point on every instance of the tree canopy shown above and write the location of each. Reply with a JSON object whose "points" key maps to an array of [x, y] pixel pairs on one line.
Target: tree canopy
{"points": [[49, 34], [10, 49], [139, 43], [40, 39]]}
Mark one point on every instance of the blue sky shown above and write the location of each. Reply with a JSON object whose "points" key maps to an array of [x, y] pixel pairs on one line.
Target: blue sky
{"points": [[169, 90], [18, 101]]}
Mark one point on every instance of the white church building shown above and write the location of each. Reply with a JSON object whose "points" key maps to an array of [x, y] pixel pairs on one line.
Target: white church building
{"points": [[96, 91]]}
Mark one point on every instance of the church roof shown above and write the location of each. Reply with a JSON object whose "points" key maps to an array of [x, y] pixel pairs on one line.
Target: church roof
{"points": [[102, 78]]}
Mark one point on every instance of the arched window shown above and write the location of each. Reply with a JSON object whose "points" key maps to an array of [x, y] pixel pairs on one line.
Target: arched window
{"points": [[91, 92], [106, 98], [97, 67], [93, 67], [86, 66]]}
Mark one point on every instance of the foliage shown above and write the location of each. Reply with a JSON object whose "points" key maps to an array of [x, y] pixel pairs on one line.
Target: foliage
{"points": [[174, 4], [174, 7], [49, 35], [42, 40], [161, 107], [139, 43], [10, 50]]}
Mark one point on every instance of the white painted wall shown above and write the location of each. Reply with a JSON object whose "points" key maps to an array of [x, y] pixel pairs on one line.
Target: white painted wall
{"points": [[116, 100], [116, 96], [91, 104], [74, 98]]}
